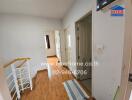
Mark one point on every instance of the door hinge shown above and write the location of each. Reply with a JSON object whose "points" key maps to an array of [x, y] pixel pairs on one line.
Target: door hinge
{"points": [[130, 77]]}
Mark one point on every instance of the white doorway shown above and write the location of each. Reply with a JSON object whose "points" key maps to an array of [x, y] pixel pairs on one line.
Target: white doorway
{"points": [[52, 44], [50, 47]]}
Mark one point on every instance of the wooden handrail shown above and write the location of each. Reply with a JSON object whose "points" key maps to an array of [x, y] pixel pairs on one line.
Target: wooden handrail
{"points": [[19, 59], [15, 60], [21, 64]]}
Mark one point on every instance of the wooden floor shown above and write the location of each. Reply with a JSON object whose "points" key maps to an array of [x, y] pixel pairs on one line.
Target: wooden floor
{"points": [[49, 89]]}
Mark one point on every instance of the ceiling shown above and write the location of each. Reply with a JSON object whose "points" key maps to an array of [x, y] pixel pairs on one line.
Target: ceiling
{"points": [[45, 8]]}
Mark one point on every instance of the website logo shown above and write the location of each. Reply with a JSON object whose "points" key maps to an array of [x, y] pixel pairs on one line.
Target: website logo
{"points": [[117, 10]]}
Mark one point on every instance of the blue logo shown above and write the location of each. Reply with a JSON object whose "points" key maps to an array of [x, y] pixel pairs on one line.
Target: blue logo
{"points": [[117, 10]]}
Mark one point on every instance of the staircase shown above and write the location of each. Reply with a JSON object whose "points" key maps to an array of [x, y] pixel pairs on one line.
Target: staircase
{"points": [[18, 77]]}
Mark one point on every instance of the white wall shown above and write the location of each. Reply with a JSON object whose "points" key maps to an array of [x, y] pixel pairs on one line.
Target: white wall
{"points": [[52, 50], [23, 36], [107, 31]]}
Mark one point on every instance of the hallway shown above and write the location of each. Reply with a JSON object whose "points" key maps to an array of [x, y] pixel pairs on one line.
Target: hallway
{"points": [[45, 89]]}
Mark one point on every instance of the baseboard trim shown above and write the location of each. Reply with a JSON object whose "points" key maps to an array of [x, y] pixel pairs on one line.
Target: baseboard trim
{"points": [[41, 70], [51, 56]]}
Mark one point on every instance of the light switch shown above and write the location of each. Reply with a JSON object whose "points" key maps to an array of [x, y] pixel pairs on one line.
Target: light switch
{"points": [[99, 49]]}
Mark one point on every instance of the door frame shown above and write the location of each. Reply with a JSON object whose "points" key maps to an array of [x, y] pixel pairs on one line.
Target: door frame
{"points": [[67, 48], [126, 85], [89, 13], [59, 32], [76, 50]]}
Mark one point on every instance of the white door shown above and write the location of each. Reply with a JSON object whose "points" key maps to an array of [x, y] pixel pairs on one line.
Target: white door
{"points": [[67, 47], [126, 81], [57, 40]]}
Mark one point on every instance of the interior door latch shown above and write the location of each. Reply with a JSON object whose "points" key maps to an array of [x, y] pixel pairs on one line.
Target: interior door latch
{"points": [[130, 77]]}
